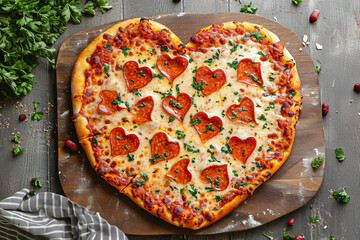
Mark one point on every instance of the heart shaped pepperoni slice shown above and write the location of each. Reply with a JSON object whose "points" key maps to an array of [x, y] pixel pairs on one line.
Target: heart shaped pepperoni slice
{"points": [[206, 127], [162, 149], [249, 72], [136, 77], [121, 143], [180, 172], [177, 107], [171, 67], [213, 80], [217, 176], [242, 149], [141, 111], [107, 104], [243, 113]]}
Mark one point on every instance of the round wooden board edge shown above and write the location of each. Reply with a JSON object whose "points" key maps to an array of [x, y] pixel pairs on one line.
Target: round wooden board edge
{"points": [[159, 16]]}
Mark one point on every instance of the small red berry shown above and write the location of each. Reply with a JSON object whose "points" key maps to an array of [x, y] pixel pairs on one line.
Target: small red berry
{"points": [[299, 237], [357, 87], [71, 145], [314, 15], [325, 109], [291, 221], [22, 117]]}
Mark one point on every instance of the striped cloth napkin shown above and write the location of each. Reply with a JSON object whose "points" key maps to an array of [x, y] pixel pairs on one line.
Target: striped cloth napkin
{"points": [[51, 216]]}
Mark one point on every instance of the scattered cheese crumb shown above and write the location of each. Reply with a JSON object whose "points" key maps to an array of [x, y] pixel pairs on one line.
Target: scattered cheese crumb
{"points": [[319, 47]]}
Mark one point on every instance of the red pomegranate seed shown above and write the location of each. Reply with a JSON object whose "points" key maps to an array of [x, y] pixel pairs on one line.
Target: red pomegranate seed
{"points": [[299, 237], [357, 87], [291, 221], [22, 117], [325, 109], [71, 145], [314, 15]]}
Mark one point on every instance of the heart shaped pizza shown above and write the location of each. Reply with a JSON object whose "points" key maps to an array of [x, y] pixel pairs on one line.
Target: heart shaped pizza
{"points": [[187, 132]]}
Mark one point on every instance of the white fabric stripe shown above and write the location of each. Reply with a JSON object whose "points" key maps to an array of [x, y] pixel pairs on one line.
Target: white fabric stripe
{"points": [[53, 216], [14, 229]]}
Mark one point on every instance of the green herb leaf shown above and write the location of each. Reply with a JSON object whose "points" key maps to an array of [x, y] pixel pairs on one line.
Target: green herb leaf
{"points": [[340, 155], [288, 236], [16, 138], [36, 182], [316, 162], [318, 67], [313, 219], [180, 134], [94, 139], [217, 198], [258, 35], [297, 1], [341, 195], [17, 150], [248, 9], [171, 119], [190, 148], [332, 237]]}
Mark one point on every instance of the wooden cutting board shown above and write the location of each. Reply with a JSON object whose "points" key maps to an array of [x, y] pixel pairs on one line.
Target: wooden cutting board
{"points": [[295, 184]]}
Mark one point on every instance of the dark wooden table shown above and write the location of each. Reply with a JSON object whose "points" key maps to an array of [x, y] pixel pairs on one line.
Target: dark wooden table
{"points": [[337, 30]]}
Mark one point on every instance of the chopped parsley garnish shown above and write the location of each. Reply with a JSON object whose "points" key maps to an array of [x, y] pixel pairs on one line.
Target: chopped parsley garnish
{"points": [[285, 68], [142, 73], [36, 182], [125, 49], [316, 162], [182, 191], [234, 64], [341, 195], [261, 53], [248, 9], [126, 147], [160, 76], [291, 94], [173, 187], [223, 113], [157, 191], [171, 119], [139, 182], [108, 47], [260, 148], [255, 79], [190, 148], [271, 106], [136, 92], [195, 121], [197, 86], [193, 191], [196, 207], [340, 155], [180, 134], [177, 88], [210, 189], [318, 67], [94, 139], [242, 184], [234, 114], [165, 48], [130, 157], [118, 138], [269, 149], [212, 157], [217, 182], [258, 35], [226, 148], [16, 137], [262, 117], [117, 100], [271, 79], [175, 103], [235, 173], [37, 115], [313, 219], [145, 176], [217, 198], [168, 93], [142, 105], [234, 47], [258, 165], [153, 51], [166, 63], [209, 127], [17, 150], [152, 159]]}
